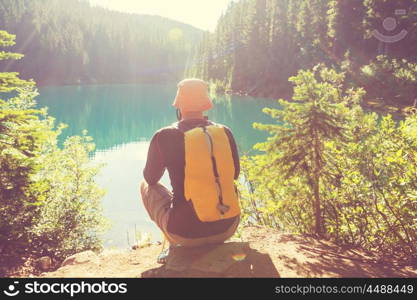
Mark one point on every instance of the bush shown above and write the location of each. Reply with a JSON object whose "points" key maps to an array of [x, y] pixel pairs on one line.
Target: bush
{"points": [[70, 217], [331, 169], [49, 202]]}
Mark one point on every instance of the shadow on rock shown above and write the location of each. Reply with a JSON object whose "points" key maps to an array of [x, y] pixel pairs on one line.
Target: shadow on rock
{"points": [[233, 259]]}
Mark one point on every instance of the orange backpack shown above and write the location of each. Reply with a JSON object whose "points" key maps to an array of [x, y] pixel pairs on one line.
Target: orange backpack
{"points": [[209, 174]]}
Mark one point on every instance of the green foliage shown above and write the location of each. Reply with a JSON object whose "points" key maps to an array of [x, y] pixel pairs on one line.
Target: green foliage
{"points": [[333, 169], [49, 203], [69, 219], [143, 239], [374, 203], [397, 78], [21, 137], [317, 116], [259, 44]]}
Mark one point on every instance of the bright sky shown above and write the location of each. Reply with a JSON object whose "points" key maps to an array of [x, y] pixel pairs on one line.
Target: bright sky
{"points": [[199, 13]]}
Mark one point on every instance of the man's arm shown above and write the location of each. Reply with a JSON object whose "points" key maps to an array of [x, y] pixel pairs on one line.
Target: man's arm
{"points": [[235, 152], [155, 165]]}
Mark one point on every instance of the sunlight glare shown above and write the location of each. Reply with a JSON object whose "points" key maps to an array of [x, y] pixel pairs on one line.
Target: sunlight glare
{"points": [[199, 13], [239, 256], [175, 34]]}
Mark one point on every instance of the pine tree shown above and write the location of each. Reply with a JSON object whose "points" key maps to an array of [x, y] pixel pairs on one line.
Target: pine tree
{"points": [[311, 119], [274, 39], [49, 201]]}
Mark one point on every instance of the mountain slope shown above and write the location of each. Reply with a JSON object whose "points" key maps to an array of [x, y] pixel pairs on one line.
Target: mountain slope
{"points": [[67, 42], [259, 44]]}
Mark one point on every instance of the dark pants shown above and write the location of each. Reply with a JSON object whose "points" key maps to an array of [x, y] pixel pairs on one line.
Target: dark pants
{"points": [[157, 201]]}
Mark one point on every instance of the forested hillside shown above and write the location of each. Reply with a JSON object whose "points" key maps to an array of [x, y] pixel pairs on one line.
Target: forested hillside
{"points": [[66, 42], [329, 169], [259, 44]]}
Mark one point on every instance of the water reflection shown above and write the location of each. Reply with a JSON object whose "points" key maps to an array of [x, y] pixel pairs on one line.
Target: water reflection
{"points": [[121, 177], [122, 119]]}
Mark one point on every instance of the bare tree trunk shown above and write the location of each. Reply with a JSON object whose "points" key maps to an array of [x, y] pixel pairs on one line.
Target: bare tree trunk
{"points": [[316, 186], [317, 206]]}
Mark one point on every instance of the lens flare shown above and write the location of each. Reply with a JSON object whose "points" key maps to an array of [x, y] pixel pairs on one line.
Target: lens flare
{"points": [[239, 256], [175, 34]]}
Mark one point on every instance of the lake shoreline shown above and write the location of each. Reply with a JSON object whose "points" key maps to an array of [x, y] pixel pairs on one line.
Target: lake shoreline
{"points": [[122, 119]]}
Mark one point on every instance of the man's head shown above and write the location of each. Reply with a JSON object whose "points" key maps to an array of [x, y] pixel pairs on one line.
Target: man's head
{"points": [[192, 98]]}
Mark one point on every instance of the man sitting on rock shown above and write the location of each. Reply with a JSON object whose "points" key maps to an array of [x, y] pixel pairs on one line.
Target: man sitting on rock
{"points": [[203, 162]]}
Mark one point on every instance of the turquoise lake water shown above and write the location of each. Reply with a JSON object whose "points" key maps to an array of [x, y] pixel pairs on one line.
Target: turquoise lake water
{"points": [[122, 119]]}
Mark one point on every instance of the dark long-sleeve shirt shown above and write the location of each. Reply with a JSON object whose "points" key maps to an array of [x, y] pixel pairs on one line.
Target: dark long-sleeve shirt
{"points": [[166, 151]]}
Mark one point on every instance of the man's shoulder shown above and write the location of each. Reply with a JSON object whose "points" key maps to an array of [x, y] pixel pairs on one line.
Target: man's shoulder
{"points": [[170, 127], [175, 128], [167, 130]]}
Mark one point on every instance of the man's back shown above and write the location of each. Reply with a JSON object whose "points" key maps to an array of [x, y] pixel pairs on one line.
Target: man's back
{"points": [[202, 164], [167, 152]]}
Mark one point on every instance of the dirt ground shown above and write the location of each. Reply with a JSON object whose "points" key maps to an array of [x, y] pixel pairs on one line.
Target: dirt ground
{"points": [[260, 252]]}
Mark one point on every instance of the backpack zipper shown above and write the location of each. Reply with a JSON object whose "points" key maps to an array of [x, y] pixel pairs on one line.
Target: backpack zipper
{"points": [[220, 206]]}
